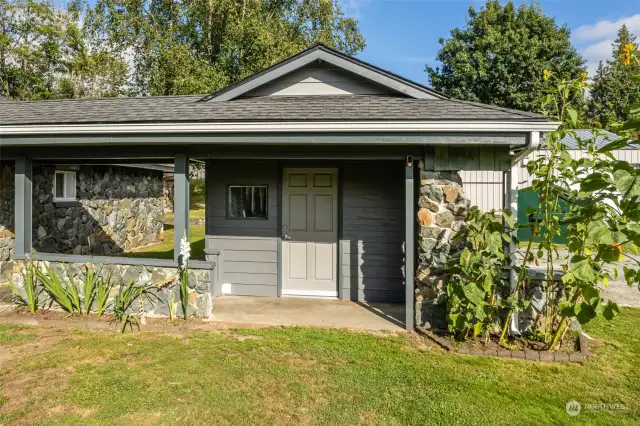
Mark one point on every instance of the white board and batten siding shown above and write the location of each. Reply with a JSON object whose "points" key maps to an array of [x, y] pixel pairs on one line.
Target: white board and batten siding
{"points": [[319, 80], [485, 188]]}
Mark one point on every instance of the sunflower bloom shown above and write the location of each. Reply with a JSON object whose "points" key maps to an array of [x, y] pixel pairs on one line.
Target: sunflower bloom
{"points": [[625, 57], [546, 74]]}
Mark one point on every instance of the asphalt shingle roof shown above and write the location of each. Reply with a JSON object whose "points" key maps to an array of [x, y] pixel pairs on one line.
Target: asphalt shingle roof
{"points": [[272, 108]]}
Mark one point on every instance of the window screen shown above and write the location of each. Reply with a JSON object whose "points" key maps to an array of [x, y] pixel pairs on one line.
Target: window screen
{"points": [[247, 202]]}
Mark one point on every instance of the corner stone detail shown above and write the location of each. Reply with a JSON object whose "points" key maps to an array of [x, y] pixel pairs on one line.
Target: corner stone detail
{"points": [[441, 214]]}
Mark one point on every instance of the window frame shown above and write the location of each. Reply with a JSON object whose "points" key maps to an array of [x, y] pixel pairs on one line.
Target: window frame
{"points": [[65, 174], [227, 203]]}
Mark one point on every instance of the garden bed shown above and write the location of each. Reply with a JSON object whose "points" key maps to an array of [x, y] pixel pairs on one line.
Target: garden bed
{"points": [[572, 350]]}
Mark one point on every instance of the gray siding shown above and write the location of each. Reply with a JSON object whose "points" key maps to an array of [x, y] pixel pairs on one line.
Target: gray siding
{"points": [[322, 79], [249, 255], [373, 227]]}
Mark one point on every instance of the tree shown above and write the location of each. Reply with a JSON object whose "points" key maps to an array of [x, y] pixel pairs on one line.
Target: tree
{"points": [[613, 88], [43, 55], [197, 46], [501, 55]]}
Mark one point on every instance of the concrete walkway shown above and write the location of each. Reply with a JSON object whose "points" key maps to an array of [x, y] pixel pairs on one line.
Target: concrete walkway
{"points": [[308, 312]]}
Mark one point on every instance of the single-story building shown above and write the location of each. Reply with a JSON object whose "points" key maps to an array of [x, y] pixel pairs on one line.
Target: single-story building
{"points": [[325, 176]]}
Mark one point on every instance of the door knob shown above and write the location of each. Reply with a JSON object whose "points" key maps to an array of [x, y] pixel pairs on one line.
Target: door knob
{"points": [[286, 237]]}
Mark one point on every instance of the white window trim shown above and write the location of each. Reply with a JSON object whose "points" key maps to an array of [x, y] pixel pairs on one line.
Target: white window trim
{"points": [[67, 174]]}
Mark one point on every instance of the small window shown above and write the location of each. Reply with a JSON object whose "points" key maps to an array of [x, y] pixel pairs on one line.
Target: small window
{"points": [[64, 186], [247, 202]]}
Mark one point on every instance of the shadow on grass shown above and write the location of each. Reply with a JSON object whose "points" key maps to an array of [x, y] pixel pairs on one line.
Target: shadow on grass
{"points": [[164, 250]]}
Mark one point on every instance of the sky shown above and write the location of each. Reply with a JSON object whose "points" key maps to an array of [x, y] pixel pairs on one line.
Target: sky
{"points": [[402, 35]]}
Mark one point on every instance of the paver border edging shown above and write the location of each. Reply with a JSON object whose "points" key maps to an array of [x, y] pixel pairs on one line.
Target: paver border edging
{"points": [[529, 355]]}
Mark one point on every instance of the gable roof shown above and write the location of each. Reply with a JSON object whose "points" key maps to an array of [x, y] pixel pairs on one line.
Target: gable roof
{"points": [[320, 52], [334, 108]]}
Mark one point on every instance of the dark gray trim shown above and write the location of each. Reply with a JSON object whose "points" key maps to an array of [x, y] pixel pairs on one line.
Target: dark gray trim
{"points": [[67, 204], [180, 202], [341, 138], [340, 235], [113, 260], [409, 247], [471, 138], [279, 194], [320, 52], [23, 205]]}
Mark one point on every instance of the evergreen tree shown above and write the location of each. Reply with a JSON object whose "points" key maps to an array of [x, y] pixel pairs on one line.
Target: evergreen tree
{"points": [[613, 88]]}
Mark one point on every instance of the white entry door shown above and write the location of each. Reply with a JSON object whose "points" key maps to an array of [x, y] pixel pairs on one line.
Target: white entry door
{"points": [[310, 232]]}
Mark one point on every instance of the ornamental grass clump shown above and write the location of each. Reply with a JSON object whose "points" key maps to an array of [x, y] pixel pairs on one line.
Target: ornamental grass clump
{"points": [[28, 294]]}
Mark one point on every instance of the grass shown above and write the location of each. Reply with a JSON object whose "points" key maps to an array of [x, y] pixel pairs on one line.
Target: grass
{"points": [[164, 250], [10, 334], [311, 376], [196, 201]]}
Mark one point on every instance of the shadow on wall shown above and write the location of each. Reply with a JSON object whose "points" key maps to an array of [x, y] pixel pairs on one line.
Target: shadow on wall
{"points": [[115, 209], [374, 224]]}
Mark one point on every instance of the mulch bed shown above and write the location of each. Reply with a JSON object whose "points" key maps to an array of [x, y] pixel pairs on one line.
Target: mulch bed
{"points": [[572, 350]]}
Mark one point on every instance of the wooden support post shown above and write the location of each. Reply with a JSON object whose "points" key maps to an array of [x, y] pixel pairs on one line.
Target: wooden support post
{"points": [[180, 202], [409, 245], [23, 206]]}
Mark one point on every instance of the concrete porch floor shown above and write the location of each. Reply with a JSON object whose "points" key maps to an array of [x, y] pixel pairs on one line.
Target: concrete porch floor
{"points": [[308, 312]]}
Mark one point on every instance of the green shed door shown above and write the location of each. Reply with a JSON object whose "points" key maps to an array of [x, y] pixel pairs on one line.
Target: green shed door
{"points": [[528, 199]]}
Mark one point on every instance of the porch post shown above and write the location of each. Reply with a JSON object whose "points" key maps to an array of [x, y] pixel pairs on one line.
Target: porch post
{"points": [[409, 245], [23, 205], [180, 201]]}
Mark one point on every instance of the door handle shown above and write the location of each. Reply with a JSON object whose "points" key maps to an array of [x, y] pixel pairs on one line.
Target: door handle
{"points": [[286, 237]]}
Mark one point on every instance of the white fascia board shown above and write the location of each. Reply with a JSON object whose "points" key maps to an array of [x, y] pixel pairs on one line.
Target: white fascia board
{"points": [[267, 127]]}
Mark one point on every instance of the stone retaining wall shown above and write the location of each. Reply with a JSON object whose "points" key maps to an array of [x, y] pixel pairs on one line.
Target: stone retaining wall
{"points": [[117, 209], [156, 303], [441, 212]]}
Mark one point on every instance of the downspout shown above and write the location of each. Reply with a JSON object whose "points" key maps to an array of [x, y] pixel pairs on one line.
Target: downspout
{"points": [[533, 142]]}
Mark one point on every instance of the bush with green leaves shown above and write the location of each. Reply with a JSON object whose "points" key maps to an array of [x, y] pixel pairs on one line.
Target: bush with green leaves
{"points": [[477, 279]]}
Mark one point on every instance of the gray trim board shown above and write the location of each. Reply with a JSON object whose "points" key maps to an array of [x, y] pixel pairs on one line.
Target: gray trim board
{"points": [[339, 257], [180, 202], [409, 248], [279, 224], [23, 206], [114, 260], [338, 138]]}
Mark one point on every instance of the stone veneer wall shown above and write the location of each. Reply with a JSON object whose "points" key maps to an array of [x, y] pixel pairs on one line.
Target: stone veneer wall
{"points": [[117, 209], [157, 303], [441, 212]]}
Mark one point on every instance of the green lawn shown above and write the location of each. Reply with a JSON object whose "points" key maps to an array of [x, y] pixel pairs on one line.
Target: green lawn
{"points": [[164, 250], [196, 201], [307, 376]]}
